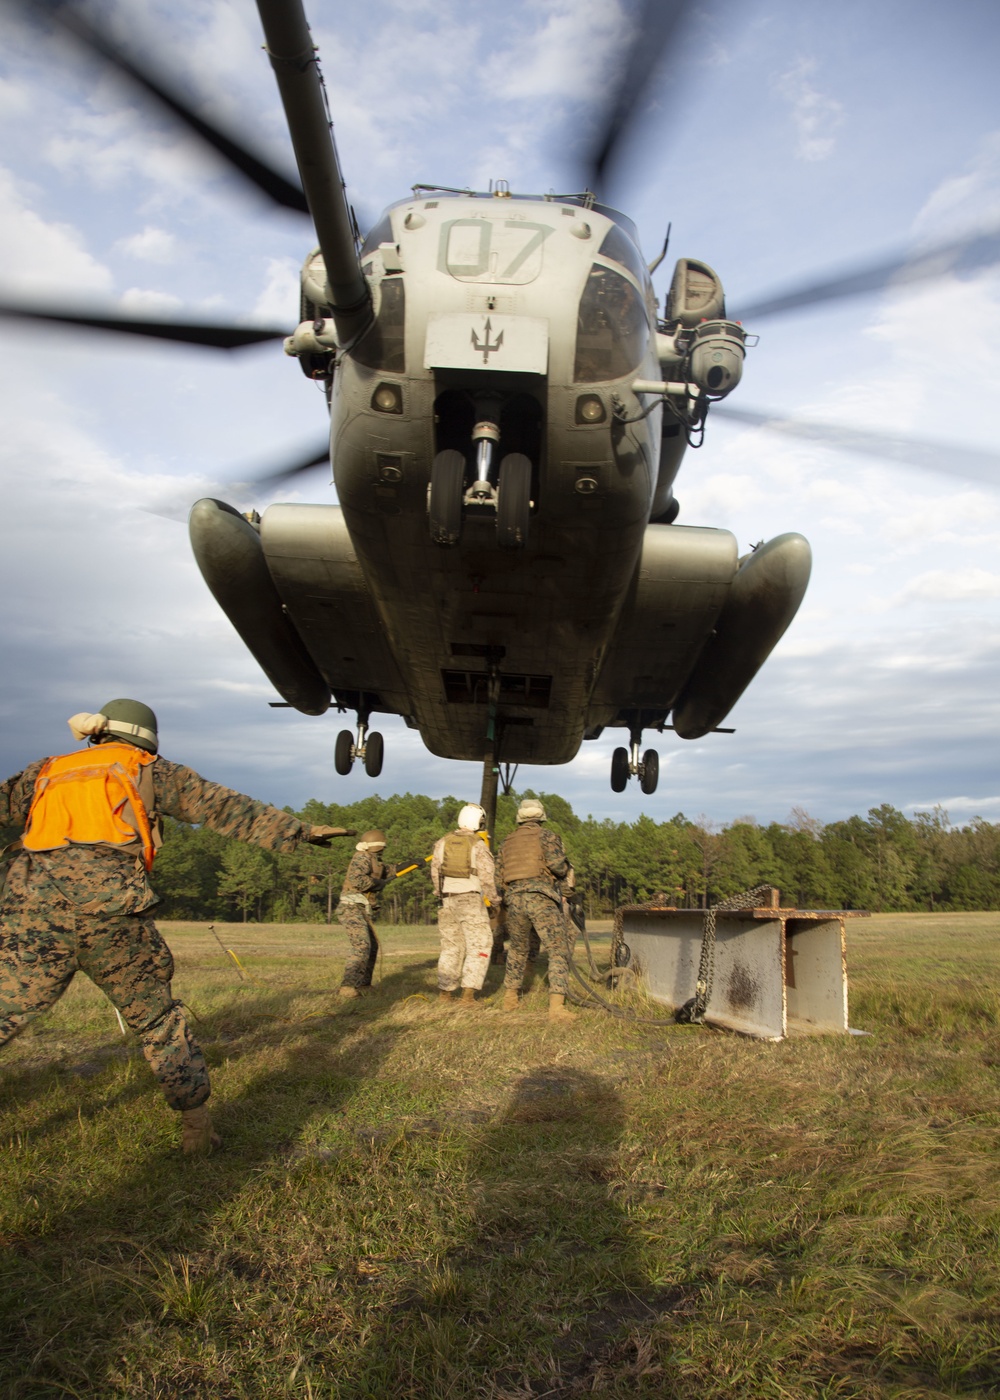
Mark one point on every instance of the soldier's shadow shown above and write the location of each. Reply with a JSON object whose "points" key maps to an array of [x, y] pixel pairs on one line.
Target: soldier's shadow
{"points": [[549, 1235], [164, 1206]]}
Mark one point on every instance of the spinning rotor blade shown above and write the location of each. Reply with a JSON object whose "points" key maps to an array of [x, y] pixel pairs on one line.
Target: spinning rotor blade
{"points": [[177, 507], [933, 456], [968, 254], [271, 182], [206, 333], [317, 456], [656, 30]]}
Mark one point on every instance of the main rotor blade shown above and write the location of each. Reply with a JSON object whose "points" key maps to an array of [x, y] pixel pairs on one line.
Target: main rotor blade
{"points": [[947, 457], [205, 333], [177, 507], [254, 168], [656, 31], [970, 254], [318, 455]]}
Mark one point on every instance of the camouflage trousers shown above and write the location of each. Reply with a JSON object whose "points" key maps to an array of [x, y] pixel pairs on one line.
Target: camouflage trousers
{"points": [[466, 942], [528, 910], [42, 947], [356, 922]]}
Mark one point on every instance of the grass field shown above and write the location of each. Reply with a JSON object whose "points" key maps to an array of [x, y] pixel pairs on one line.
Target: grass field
{"points": [[415, 1201]]}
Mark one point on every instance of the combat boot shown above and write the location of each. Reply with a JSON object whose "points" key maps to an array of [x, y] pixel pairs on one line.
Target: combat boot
{"points": [[558, 1010], [348, 992], [468, 996], [445, 997], [197, 1134], [511, 1000]]}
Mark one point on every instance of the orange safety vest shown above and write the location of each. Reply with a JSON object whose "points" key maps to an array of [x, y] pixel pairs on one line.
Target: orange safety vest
{"points": [[90, 798]]}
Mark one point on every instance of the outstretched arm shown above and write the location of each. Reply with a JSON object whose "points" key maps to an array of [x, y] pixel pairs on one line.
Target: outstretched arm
{"points": [[184, 794], [323, 835]]}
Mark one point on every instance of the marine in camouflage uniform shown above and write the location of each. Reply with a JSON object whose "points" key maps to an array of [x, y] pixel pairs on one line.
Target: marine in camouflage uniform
{"points": [[534, 901], [359, 903], [89, 908], [464, 889]]}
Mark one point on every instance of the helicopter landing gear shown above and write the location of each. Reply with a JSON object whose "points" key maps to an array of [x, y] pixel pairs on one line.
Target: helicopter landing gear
{"points": [[343, 753], [495, 494], [649, 771], [373, 755], [513, 501], [370, 749], [626, 763], [445, 505]]}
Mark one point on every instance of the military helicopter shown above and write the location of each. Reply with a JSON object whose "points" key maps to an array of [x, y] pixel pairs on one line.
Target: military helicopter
{"points": [[509, 411]]}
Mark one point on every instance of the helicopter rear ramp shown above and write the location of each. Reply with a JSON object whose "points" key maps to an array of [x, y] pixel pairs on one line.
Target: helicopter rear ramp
{"points": [[778, 971]]}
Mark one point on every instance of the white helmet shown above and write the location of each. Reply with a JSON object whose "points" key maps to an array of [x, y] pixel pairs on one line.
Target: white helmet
{"points": [[471, 817]]}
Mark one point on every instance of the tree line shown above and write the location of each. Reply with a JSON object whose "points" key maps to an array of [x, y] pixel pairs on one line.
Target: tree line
{"points": [[882, 862]]}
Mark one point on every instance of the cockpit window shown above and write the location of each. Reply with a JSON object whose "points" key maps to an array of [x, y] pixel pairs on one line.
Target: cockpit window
{"points": [[383, 347], [381, 233], [611, 329], [620, 249]]}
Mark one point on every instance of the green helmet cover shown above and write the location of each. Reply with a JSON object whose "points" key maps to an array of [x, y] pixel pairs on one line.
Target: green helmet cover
{"points": [[133, 722]]}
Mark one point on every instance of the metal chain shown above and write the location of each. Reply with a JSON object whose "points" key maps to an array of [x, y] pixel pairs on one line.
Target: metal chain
{"points": [[694, 1009]]}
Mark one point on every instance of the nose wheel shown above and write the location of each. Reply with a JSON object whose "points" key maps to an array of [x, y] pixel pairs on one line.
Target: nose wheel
{"points": [[504, 494], [369, 748], [626, 763]]}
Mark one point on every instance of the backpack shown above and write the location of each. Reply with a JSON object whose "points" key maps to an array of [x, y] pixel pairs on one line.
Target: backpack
{"points": [[456, 858]]}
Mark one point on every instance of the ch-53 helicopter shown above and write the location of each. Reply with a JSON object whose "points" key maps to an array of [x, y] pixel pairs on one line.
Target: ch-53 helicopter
{"points": [[509, 409]]}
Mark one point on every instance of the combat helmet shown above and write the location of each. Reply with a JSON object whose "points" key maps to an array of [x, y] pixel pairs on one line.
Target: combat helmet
{"points": [[371, 841], [132, 721], [530, 810]]}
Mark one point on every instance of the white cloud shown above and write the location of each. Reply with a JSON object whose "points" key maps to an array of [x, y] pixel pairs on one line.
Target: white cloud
{"points": [[815, 116], [143, 299], [279, 299], [564, 56], [968, 199], [948, 586], [155, 245], [38, 257]]}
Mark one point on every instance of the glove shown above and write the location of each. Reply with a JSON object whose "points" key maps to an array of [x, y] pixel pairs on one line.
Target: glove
{"points": [[379, 885], [323, 835]]}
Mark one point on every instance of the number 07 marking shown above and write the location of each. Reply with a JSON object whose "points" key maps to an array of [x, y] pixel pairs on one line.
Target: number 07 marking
{"points": [[481, 248]]}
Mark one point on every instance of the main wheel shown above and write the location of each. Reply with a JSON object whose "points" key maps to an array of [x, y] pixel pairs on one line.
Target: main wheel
{"points": [[650, 771], [374, 752], [619, 770], [513, 501], [343, 758], [445, 507]]}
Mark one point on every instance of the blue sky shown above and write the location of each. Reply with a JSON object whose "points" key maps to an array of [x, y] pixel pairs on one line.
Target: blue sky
{"points": [[785, 140]]}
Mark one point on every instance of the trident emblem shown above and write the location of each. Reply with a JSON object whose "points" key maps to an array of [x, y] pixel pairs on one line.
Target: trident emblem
{"points": [[484, 345]]}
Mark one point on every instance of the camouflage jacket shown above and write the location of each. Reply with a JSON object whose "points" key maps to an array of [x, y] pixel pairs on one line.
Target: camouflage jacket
{"points": [[104, 879], [554, 855], [366, 875], [480, 879]]}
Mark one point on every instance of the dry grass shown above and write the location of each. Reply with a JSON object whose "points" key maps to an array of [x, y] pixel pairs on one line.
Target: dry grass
{"points": [[423, 1202]]}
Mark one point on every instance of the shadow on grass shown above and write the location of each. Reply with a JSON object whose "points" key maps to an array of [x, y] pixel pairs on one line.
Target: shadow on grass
{"points": [[95, 1246], [542, 1291], [472, 1254]]}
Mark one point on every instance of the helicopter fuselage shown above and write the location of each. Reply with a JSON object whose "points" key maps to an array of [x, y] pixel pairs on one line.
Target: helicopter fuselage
{"points": [[503, 570], [481, 309]]}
